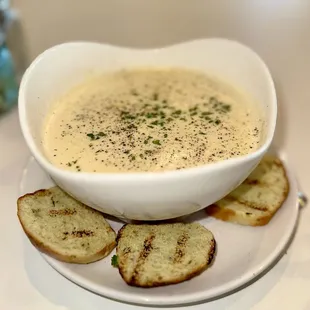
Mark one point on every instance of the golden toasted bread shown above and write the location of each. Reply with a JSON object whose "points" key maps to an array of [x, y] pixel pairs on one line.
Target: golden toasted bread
{"points": [[162, 254], [257, 199], [64, 228]]}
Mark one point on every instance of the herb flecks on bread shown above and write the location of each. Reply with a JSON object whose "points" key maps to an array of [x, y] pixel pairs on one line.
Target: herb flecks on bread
{"points": [[64, 228]]}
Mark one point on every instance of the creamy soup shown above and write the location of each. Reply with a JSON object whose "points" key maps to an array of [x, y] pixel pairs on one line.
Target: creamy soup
{"points": [[150, 119]]}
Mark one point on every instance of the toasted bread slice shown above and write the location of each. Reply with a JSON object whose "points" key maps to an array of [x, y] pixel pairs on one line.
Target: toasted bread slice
{"points": [[155, 255], [64, 228], [257, 199]]}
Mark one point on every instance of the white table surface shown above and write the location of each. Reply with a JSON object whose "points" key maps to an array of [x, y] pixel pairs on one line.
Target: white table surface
{"points": [[282, 37]]}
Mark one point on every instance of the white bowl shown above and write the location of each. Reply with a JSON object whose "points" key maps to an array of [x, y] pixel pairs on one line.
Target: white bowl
{"points": [[145, 196]]}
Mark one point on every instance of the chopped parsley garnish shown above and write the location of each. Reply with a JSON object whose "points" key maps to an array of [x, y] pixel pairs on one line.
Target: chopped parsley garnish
{"points": [[150, 115], [132, 157], [91, 136], [114, 261], [146, 141], [176, 113], [226, 107], [128, 116], [156, 142], [97, 136], [133, 120]]}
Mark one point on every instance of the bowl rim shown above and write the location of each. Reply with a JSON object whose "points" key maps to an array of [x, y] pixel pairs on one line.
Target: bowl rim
{"points": [[141, 176]]}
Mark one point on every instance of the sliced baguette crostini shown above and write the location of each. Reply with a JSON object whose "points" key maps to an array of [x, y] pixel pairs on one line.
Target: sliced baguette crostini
{"points": [[258, 198], [64, 228], [155, 255]]}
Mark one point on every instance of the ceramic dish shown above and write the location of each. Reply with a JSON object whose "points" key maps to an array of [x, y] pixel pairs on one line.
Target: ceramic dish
{"points": [[243, 253], [146, 196]]}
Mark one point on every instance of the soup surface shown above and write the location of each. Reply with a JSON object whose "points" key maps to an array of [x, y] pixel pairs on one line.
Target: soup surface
{"points": [[150, 119]]}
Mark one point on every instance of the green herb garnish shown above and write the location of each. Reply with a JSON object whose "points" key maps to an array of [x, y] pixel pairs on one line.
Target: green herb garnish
{"points": [[91, 136], [157, 142], [114, 261], [146, 141], [150, 115], [193, 109], [177, 112], [128, 116], [226, 107], [96, 136], [162, 114]]}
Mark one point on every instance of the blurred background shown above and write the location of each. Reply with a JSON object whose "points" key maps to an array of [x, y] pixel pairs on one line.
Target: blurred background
{"points": [[265, 25]]}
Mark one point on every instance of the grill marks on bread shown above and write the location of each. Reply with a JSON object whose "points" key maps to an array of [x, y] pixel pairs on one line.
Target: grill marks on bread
{"points": [[180, 248], [247, 204], [258, 198], [142, 258], [155, 255]]}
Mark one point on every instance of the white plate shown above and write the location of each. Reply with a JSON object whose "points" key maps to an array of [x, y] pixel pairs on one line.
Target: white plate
{"points": [[242, 254]]}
